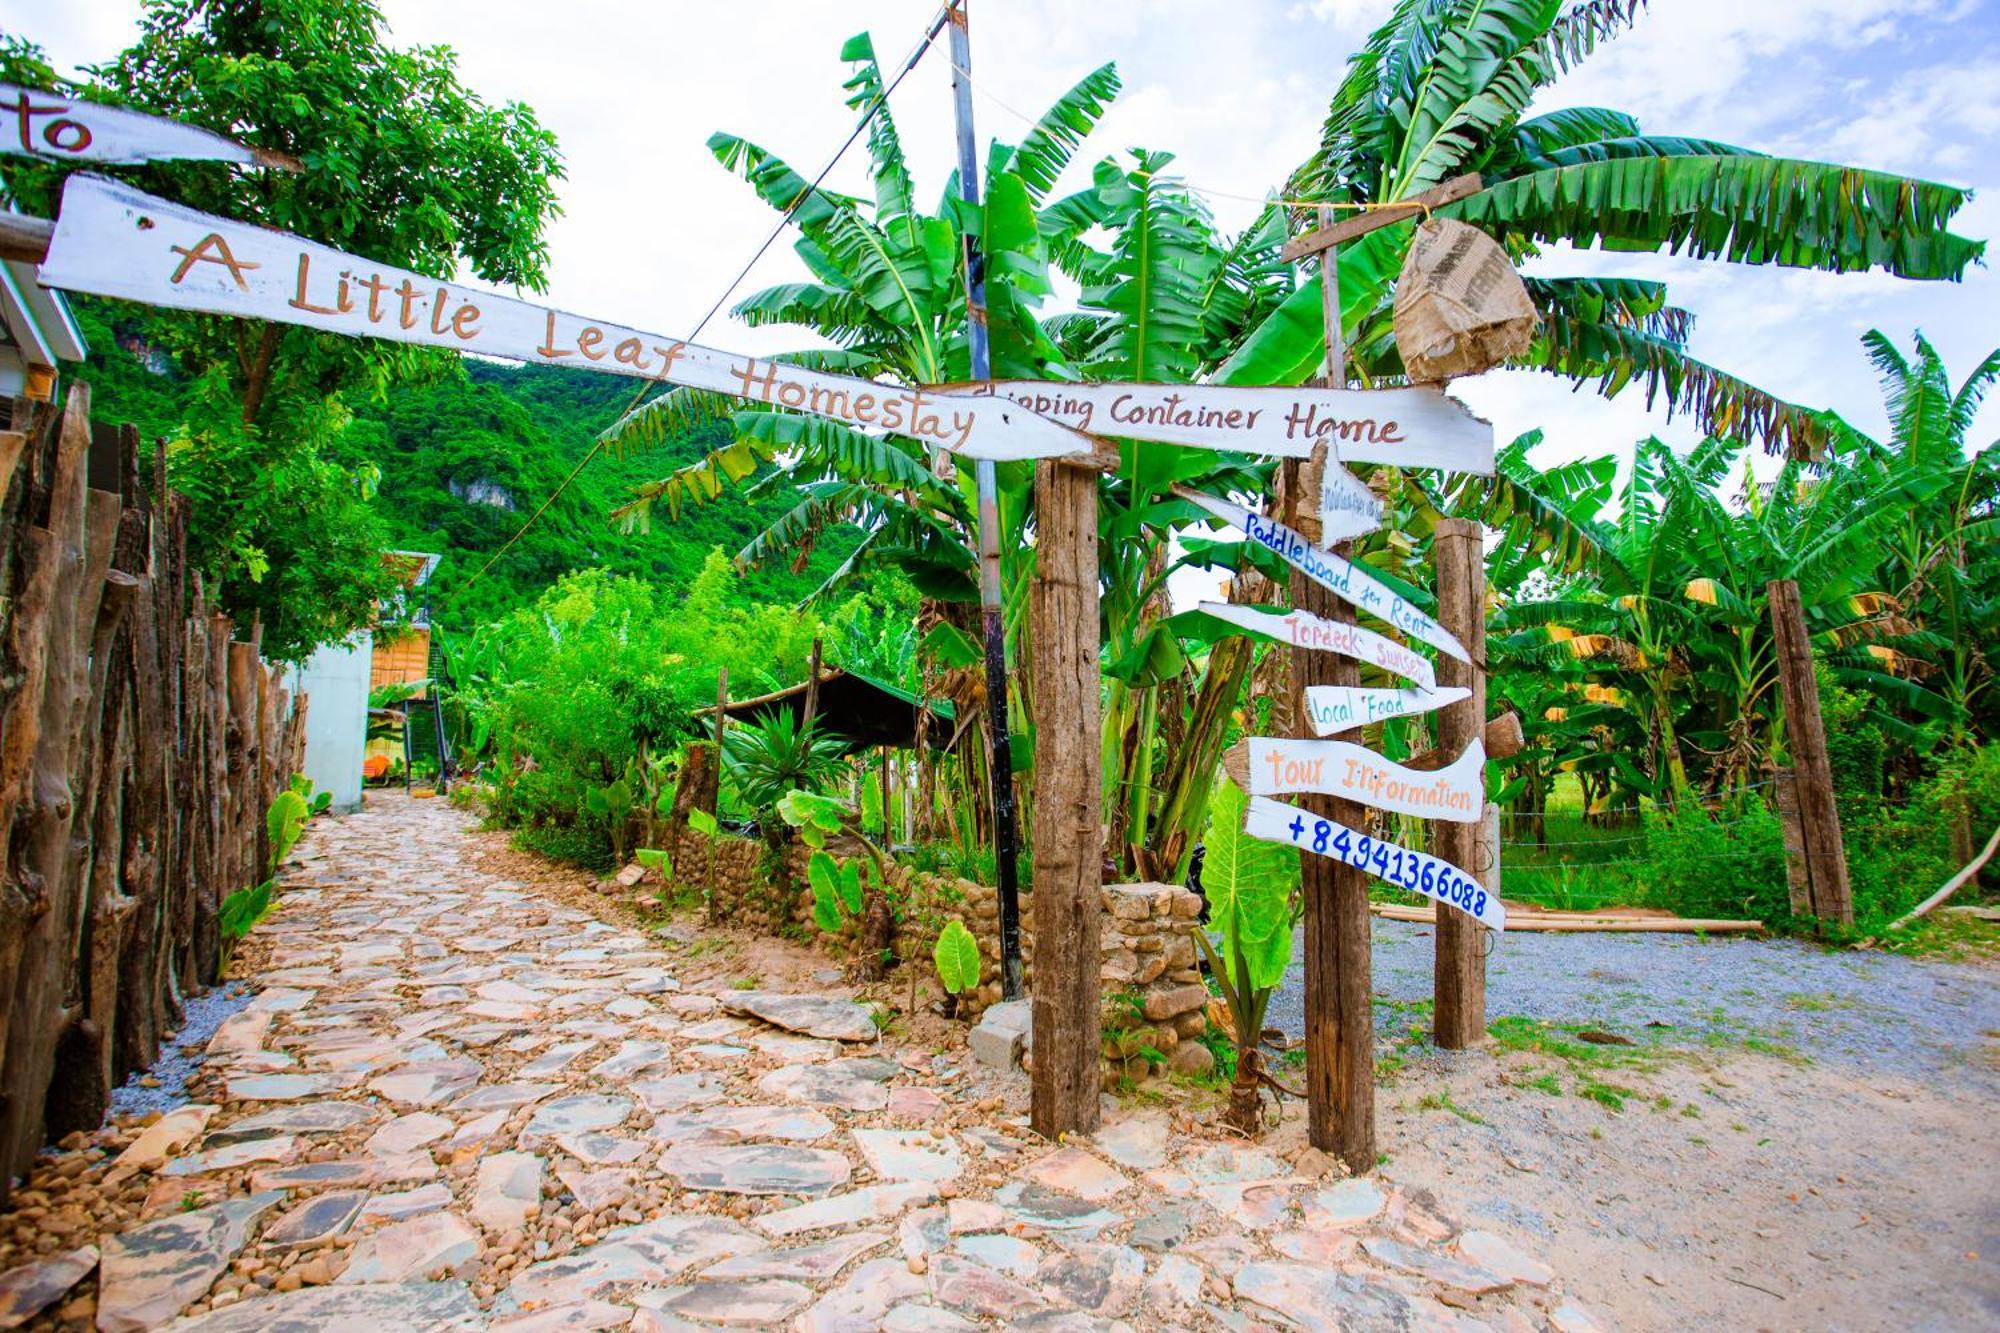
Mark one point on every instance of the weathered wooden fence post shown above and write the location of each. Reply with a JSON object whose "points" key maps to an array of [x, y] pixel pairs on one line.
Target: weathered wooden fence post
{"points": [[1068, 826], [1459, 978], [1827, 893]]}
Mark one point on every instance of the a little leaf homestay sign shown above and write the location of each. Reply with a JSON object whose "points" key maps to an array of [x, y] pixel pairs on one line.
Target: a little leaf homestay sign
{"points": [[34, 123], [1419, 872], [1350, 582], [1407, 427], [112, 240], [1278, 765]]}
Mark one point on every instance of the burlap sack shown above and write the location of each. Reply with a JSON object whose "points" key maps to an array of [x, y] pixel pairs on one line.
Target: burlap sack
{"points": [[1460, 307]]}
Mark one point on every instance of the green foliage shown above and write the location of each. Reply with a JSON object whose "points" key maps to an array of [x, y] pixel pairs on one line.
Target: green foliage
{"points": [[703, 823], [773, 755], [1250, 886], [816, 817], [956, 954], [400, 162], [284, 822], [837, 889], [240, 911], [1732, 867]]}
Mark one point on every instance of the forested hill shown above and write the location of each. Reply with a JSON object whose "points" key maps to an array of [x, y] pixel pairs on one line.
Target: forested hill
{"points": [[464, 461]]}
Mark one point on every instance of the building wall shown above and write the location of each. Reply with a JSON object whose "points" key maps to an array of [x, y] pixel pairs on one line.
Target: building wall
{"points": [[336, 680]]}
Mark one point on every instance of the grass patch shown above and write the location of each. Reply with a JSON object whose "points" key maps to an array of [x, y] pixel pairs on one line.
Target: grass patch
{"points": [[1441, 1101]]}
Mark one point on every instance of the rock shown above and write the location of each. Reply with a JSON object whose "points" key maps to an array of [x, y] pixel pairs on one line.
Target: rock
{"points": [[730, 1124], [915, 1104], [1074, 1171], [431, 1083], [508, 1191], [971, 1287], [159, 1141], [740, 1304], [598, 1190], [631, 875], [279, 1148], [31, 1288], [1001, 1253], [1348, 1204], [677, 1092], [1490, 1252], [1102, 1278], [503, 1096], [576, 1317], [1191, 1059], [872, 1203], [601, 1149], [1001, 1034], [974, 1215], [805, 1263], [762, 1168], [577, 1115], [652, 1252], [1174, 1001], [912, 1317], [1164, 1226], [1137, 1141], [896, 1154], [316, 1222], [410, 1203], [1040, 1206], [407, 1133], [863, 1299], [411, 1307], [412, 1249], [280, 1087], [851, 1085], [151, 1273], [634, 1059], [1322, 1301], [1432, 1267], [1175, 1285], [814, 1015], [300, 1118]]}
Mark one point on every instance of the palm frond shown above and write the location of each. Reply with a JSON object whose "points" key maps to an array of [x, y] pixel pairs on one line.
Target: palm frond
{"points": [[1045, 150]]}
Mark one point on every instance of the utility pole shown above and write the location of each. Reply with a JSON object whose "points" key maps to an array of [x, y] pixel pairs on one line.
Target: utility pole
{"points": [[994, 631]]}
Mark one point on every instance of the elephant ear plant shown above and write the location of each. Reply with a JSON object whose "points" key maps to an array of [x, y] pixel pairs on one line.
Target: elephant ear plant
{"points": [[843, 892], [1251, 886]]}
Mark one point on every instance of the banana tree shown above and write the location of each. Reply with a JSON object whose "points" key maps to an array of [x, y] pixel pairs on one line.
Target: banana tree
{"points": [[1445, 87]]}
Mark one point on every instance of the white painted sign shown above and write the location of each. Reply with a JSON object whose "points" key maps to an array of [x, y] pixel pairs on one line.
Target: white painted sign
{"points": [[1336, 708], [112, 240], [65, 129], [1415, 427], [1302, 629], [1349, 581], [1355, 773], [1419, 872], [1347, 508]]}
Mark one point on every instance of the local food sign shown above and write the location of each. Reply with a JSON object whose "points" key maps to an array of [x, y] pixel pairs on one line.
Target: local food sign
{"points": [[34, 123], [1408, 427], [1419, 872], [1336, 708], [112, 240]]}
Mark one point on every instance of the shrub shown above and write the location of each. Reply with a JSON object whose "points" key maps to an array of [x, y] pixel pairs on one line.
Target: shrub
{"points": [[1730, 864]]}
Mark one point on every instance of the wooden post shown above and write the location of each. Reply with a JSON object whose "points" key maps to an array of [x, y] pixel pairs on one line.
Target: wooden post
{"points": [[721, 716], [812, 690], [888, 839], [1819, 819], [1459, 977], [1068, 827], [1339, 1004]]}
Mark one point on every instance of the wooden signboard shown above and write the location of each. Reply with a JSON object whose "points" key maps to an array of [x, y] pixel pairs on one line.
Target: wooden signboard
{"points": [[1279, 764], [66, 129], [1333, 709], [1417, 427], [1419, 872], [112, 240], [1348, 581], [1301, 629], [1347, 508]]}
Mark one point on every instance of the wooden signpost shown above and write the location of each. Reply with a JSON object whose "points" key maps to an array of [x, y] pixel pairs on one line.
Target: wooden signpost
{"points": [[1336, 708], [68, 129], [1347, 508], [1278, 765], [1303, 630], [1275, 821], [112, 240], [1415, 427]]}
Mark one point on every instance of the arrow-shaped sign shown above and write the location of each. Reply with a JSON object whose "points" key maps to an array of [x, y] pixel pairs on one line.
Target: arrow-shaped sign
{"points": [[1302, 629], [1349, 581], [66, 129], [1414, 427], [1333, 709], [1347, 508], [1277, 765], [112, 240], [1419, 872]]}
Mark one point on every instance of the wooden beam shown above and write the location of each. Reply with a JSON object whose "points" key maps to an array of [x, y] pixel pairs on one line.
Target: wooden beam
{"points": [[1374, 219], [1459, 972], [1068, 826], [25, 238], [1805, 730], [811, 709]]}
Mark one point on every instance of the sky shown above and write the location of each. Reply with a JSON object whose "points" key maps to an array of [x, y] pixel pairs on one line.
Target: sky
{"points": [[654, 229]]}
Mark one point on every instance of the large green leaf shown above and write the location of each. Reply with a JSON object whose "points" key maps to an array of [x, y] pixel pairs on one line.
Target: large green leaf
{"points": [[956, 954], [1248, 883], [1046, 148]]}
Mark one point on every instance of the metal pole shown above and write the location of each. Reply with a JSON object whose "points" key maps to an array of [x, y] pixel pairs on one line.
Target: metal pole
{"points": [[995, 633]]}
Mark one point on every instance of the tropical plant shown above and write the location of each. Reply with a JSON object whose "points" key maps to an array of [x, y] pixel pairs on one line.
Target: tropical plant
{"points": [[284, 824], [772, 755], [1251, 886], [956, 955]]}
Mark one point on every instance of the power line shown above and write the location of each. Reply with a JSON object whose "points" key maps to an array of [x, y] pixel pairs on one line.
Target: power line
{"points": [[881, 100]]}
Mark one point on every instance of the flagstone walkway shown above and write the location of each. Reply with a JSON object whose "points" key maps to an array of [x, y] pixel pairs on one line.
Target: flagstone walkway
{"points": [[456, 1104]]}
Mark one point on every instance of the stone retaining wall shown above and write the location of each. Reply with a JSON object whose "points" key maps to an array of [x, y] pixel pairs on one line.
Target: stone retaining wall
{"points": [[1154, 998]]}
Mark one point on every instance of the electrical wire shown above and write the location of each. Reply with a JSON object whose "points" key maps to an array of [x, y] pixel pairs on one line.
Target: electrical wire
{"points": [[881, 100]]}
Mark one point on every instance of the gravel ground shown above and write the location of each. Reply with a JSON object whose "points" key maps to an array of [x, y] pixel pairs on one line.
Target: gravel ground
{"points": [[1872, 1011], [182, 1054]]}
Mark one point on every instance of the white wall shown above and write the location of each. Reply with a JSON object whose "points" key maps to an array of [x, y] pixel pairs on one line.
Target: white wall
{"points": [[336, 681]]}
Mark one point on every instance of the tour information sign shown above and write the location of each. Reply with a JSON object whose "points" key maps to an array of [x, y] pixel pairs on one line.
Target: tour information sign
{"points": [[112, 240], [1279, 765]]}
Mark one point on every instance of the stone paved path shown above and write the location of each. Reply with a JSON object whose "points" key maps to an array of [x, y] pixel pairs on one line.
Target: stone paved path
{"points": [[454, 1104]]}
